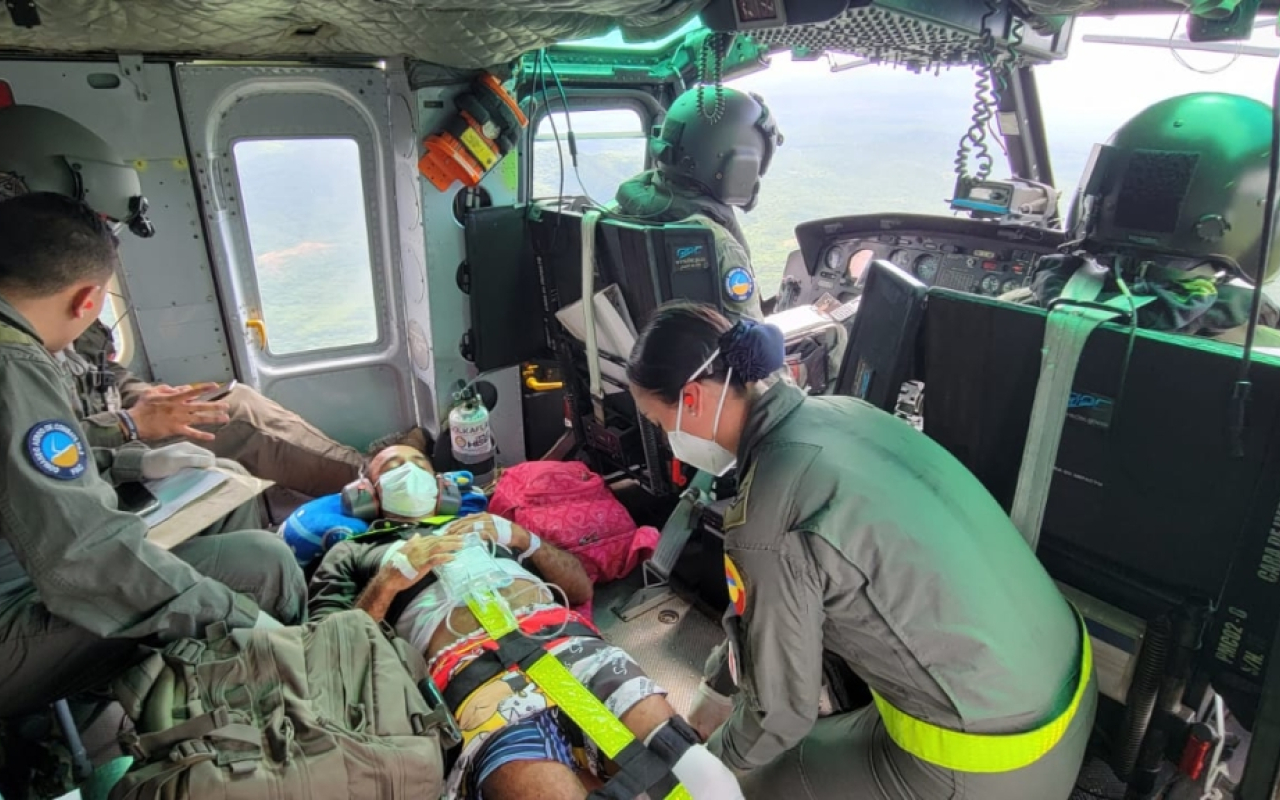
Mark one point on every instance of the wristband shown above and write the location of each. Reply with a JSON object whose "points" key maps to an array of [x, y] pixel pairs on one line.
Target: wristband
{"points": [[130, 427], [534, 544]]}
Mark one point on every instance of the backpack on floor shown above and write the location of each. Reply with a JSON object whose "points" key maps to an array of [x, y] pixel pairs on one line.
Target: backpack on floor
{"points": [[570, 506], [330, 709]]}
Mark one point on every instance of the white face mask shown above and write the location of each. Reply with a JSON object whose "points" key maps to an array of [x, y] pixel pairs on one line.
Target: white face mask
{"points": [[703, 454], [409, 491]]}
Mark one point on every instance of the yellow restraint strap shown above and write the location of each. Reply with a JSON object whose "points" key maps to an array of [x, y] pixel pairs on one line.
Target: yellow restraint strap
{"points": [[558, 683], [976, 752]]}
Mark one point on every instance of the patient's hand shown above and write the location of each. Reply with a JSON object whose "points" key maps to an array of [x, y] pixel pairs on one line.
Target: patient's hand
{"points": [[492, 529], [416, 559]]}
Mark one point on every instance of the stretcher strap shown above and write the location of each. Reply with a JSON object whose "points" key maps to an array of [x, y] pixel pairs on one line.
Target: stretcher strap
{"points": [[557, 682], [589, 220], [977, 752], [1067, 330]]}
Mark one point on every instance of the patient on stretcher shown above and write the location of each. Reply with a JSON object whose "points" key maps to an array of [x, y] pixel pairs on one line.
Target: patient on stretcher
{"points": [[516, 742]]}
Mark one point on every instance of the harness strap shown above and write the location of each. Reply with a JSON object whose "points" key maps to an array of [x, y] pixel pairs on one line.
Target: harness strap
{"points": [[977, 752], [640, 769], [490, 663]]}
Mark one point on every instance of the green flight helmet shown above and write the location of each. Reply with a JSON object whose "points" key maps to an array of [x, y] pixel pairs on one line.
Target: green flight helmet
{"points": [[1186, 177], [720, 141], [44, 151]]}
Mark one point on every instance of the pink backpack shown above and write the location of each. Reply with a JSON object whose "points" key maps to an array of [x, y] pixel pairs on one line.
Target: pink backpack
{"points": [[570, 506]]}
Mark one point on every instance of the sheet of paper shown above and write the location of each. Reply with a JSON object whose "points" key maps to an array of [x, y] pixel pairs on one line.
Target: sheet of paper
{"points": [[180, 490], [615, 334], [231, 491]]}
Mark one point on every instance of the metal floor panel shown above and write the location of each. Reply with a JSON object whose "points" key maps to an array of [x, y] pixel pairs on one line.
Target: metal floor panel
{"points": [[671, 642]]}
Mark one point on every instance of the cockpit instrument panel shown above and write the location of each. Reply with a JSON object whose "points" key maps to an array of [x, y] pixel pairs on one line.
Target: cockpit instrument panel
{"points": [[966, 255]]}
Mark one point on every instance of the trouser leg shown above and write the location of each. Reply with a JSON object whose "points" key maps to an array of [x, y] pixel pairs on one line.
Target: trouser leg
{"points": [[44, 657], [848, 756], [852, 756], [255, 563], [278, 445]]}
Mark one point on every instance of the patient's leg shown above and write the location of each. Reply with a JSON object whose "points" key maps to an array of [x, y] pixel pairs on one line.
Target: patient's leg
{"points": [[645, 716], [533, 780]]}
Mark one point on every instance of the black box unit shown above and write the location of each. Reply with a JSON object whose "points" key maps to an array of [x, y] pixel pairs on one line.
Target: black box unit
{"points": [[1148, 507]]}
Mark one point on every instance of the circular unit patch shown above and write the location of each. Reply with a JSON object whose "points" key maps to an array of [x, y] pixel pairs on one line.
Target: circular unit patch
{"points": [[737, 587], [55, 449], [739, 285]]}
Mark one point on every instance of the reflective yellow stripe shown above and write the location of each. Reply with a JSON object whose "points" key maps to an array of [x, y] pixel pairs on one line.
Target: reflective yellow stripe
{"points": [[976, 752], [558, 683], [440, 520]]}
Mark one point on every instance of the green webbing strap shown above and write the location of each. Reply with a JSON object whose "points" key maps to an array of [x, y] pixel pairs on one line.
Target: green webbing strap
{"points": [[558, 683], [1067, 330]]}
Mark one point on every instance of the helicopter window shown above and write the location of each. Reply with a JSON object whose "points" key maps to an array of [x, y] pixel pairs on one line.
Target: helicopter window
{"points": [[611, 148], [115, 315], [1109, 76], [304, 208], [862, 139]]}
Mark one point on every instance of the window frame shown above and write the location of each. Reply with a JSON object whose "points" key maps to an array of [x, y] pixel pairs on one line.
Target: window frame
{"points": [[646, 107], [371, 223]]}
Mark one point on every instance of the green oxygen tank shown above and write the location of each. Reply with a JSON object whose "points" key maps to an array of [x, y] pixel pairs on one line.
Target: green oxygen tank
{"points": [[470, 436]]}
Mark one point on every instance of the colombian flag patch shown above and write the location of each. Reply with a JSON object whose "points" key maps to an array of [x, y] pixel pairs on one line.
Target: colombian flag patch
{"points": [[737, 588]]}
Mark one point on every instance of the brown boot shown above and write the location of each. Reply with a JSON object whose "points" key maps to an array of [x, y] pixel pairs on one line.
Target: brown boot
{"points": [[415, 437]]}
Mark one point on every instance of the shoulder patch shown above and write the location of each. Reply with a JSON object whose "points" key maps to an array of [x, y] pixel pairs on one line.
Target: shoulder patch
{"points": [[739, 285], [55, 448], [737, 588]]}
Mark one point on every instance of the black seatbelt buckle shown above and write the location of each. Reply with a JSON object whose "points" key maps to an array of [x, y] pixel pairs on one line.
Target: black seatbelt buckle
{"points": [[440, 718]]}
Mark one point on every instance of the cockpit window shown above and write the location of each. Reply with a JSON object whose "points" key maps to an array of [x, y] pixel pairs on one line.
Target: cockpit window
{"points": [[863, 139], [1119, 66], [611, 146]]}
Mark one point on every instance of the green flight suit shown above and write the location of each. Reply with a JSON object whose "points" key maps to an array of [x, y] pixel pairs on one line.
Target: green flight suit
{"points": [[79, 583], [738, 287], [852, 532], [271, 441]]}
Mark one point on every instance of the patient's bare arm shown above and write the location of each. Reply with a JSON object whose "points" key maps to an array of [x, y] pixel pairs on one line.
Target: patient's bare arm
{"points": [[553, 564], [416, 559], [563, 569]]}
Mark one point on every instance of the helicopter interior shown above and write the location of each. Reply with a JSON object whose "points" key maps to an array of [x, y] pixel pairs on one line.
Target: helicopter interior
{"points": [[465, 284]]}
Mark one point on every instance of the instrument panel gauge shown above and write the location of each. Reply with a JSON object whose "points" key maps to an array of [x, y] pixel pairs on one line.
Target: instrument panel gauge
{"points": [[835, 259], [926, 267], [901, 258], [1009, 285], [990, 284]]}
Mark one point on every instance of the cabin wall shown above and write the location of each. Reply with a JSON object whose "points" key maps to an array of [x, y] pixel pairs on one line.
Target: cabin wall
{"points": [[445, 305], [179, 335]]}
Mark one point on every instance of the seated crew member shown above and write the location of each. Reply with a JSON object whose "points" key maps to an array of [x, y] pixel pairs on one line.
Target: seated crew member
{"points": [[37, 150], [706, 166], [79, 582], [856, 534], [1191, 239], [516, 743], [316, 526]]}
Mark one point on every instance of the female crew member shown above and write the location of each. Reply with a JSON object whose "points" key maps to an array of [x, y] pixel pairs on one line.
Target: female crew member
{"points": [[852, 532]]}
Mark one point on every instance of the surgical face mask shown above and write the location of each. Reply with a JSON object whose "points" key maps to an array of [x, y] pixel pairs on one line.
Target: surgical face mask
{"points": [[704, 454], [409, 491]]}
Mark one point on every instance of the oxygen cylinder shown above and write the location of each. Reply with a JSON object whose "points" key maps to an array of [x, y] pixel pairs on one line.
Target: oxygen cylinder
{"points": [[470, 436]]}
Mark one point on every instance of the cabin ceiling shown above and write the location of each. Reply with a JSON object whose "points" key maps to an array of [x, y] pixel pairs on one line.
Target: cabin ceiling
{"points": [[457, 33], [464, 34]]}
